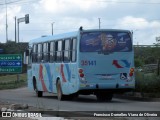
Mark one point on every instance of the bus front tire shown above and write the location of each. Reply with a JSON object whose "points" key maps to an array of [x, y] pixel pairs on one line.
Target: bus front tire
{"points": [[38, 93]]}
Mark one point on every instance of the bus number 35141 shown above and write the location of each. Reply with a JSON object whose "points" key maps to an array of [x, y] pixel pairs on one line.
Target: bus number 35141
{"points": [[88, 62]]}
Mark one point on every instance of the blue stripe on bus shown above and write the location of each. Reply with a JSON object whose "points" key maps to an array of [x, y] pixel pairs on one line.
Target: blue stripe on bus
{"points": [[68, 72], [126, 63], [49, 77]]}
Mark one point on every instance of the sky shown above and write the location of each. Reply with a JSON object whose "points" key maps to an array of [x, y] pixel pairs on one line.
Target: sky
{"points": [[140, 16]]}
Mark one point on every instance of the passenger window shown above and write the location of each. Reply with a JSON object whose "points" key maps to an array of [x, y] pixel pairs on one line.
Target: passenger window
{"points": [[40, 53], [34, 53], [52, 51], [74, 50], [66, 55], [59, 51], [46, 52]]}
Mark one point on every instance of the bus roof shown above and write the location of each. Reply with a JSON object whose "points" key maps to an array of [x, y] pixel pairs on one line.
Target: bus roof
{"points": [[54, 37]]}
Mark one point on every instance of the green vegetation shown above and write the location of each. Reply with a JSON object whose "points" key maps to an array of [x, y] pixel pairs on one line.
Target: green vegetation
{"points": [[10, 81], [148, 84], [14, 48], [147, 80], [146, 55]]}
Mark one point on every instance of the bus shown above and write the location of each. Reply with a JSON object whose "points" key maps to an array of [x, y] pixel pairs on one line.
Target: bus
{"points": [[93, 61]]}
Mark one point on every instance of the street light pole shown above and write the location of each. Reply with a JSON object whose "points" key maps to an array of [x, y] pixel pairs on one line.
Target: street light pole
{"points": [[15, 29], [18, 31], [52, 27], [6, 23], [99, 23]]}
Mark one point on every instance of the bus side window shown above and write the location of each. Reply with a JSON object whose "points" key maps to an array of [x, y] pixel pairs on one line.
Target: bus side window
{"points": [[45, 52], [59, 51], [39, 52], [48, 53], [66, 55], [73, 49], [52, 51], [34, 53]]}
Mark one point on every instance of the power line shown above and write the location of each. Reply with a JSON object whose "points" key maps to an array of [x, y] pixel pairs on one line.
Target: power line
{"points": [[15, 1], [124, 2], [10, 2], [19, 2], [106, 1]]}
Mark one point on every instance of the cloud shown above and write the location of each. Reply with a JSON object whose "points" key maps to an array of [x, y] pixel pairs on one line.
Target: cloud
{"points": [[145, 31], [155, 24], [130, 21], [2, 15], [53, 5], [12, 11], [138, 23], [69, 15], [64, 6]]}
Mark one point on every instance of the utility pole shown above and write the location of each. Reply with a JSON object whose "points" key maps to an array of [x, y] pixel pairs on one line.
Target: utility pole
{"points": [[6, 23], [15, 29], [52, 27], [18, 31], [99, 23]]}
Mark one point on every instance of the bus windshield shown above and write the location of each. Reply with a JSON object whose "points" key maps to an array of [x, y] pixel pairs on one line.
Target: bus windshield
{"points": [[107, 41]]}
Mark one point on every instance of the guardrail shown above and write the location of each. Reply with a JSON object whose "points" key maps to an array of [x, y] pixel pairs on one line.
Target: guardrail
{"points": [[146, 45]]}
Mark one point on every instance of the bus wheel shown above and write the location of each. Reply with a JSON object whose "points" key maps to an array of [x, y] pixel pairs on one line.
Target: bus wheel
{"points": [[59, 91], [71, 96], [38, 93], [109, 96], [104, 96]]}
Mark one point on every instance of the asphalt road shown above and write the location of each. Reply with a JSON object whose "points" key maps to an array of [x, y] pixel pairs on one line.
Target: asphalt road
{"points": [[82, 103]]}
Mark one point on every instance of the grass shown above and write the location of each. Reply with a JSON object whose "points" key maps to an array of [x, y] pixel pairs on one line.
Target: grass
{"points": [[10, 81]]}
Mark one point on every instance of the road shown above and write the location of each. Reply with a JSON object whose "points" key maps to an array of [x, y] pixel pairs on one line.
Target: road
{"points": [[83, 103]]}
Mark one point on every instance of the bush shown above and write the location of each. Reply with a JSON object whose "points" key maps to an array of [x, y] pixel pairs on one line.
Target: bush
{"points": [[147, 83]]}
